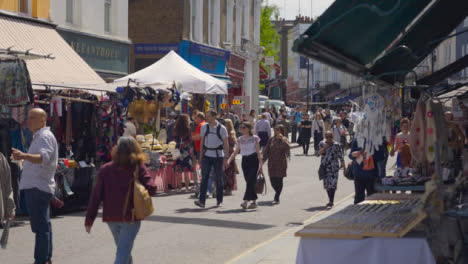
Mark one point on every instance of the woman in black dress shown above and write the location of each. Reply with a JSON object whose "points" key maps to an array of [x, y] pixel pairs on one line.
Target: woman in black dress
{"points": [[306, 133]]}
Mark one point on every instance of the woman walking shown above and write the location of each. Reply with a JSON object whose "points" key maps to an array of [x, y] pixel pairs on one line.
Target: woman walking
{"points": [[249, 148], [318, 128], [339, 133], [231, 171], [306, 130], [184, 164], [112, 185], [277, 153], [332, 157], [252, 116]]}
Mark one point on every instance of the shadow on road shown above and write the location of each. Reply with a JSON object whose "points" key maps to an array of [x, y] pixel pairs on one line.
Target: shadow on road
{"points": [[265, 203], [316, 208], [235, 211], [208, 222], [193, 210]]}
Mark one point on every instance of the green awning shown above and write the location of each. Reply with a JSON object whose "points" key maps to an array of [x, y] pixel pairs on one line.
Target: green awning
{"points": [[367, 36]]}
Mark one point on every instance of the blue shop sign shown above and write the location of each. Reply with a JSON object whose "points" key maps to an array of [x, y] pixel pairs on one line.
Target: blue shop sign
{"points": [[208, 59], [153, 49], [99, 53]]}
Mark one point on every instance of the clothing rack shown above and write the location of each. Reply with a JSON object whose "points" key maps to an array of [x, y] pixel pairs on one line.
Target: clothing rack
{"points": [[9, 53]]}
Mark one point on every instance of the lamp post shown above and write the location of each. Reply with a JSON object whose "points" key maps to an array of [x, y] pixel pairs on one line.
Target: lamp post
{"points": [[308, 87]]}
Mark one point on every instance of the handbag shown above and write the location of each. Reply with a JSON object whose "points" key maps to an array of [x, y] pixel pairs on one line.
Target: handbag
{"points": [[369, 164], [260, 184], [142, 203], [349, 172]]}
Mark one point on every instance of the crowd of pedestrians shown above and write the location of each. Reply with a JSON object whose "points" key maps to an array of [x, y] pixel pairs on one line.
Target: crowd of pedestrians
{"points": [[209, 141]]}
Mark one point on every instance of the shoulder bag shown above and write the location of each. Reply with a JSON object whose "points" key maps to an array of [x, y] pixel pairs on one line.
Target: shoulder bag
{"points": [[260, 184], [349, 172], [142, 203]]}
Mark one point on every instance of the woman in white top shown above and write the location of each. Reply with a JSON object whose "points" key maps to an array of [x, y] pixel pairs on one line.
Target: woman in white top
{"points": [[339, 133], [249, 147], [318, 128]]}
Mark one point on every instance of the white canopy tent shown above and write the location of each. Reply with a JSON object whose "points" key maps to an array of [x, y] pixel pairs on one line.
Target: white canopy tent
{"points": [[172, 68]]}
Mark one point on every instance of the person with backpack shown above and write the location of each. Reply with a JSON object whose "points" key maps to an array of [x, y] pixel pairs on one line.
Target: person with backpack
{"points": [[214, 151], [249, 146]]}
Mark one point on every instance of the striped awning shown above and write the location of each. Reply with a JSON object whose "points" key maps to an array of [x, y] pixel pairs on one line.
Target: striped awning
{"points": [[68, 68]]}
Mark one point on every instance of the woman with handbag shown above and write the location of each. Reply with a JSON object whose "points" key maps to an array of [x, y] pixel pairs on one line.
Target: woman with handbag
{"points": [[277, 153], [249, 147], [332, 158], [184, 163], [113, 187]]}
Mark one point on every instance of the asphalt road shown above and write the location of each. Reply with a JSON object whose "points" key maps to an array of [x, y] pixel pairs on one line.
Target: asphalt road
{"points": [[178, 232]]}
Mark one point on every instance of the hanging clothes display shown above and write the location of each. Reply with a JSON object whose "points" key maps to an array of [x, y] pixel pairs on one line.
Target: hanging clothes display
{"points": [[15, 83], [371, 123]]}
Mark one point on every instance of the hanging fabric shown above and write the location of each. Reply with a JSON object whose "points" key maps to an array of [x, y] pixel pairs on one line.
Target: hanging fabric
{"points": [[15, 83]]}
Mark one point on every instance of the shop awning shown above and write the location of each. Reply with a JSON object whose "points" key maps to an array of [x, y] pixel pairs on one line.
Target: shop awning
{"points": [[333, 94], [68, 68], [344, 100], [380, 39]]}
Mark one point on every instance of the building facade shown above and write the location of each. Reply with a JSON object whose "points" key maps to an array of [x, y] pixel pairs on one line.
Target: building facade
{"points": [[220, 37], [98, 31], [462, 49]]}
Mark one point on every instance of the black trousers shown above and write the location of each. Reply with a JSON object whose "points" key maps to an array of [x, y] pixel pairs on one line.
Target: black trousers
{"points": [[361, 186], [250, 168], [277, 184], [294, 133], [331, 195], [318, 136], [306, 144]]}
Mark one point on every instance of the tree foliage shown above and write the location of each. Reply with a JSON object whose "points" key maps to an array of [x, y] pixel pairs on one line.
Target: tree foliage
{"points": [[269, 37]]}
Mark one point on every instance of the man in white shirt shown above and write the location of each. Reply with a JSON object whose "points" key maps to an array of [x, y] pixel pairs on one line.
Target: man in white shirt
{"points": [[263, 130], [130, 128], [268, 115], [37, 181]]}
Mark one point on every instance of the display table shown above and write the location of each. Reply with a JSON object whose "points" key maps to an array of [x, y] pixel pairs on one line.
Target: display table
{"points": [[364, 251], [393, 188]]}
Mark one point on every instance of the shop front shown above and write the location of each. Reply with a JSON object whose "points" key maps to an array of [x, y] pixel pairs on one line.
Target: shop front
{"points": [[108, 57], [235, 71]]}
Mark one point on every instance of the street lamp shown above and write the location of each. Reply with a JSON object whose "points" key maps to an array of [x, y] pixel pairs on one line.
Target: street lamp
{"points": [[308, 88]]}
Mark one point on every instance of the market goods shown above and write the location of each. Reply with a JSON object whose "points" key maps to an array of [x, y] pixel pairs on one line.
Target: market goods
{"points": [[383, 215]]}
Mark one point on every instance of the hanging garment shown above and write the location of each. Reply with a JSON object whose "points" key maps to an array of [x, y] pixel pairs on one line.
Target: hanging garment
{"points": [[370, 129], [442, 132], [430, 132], [418, 133], [15, 83]]}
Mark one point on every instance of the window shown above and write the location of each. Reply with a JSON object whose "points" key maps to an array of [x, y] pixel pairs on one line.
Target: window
{"points": [[107, 16], [23, 6], [69, 12]]}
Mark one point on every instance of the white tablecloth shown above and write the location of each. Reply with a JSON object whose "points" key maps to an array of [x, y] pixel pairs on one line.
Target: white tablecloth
{"points": [[364, 251]]}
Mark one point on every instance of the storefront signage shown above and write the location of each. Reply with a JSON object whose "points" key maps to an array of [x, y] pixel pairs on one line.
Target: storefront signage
{"points": [[100, 54], [146, 49], [215, 53], [208, 59], [223, 106]]}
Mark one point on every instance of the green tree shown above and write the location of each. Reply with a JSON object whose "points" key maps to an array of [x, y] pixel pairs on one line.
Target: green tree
{"points": [[269, 37]]}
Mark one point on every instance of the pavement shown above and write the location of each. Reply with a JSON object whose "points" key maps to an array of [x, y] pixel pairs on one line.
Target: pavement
{"points": [[178, 232]]}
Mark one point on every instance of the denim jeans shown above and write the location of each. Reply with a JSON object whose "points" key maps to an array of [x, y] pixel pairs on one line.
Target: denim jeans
{"points": [[38, 205], [124, 234], [206, 165], [381, 170]]}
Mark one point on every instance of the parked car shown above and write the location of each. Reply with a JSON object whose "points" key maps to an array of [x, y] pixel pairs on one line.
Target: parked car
{"points": [[276, 103]]}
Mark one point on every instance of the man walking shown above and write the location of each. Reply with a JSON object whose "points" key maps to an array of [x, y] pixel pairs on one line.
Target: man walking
{"points": [[214, 152], [37, 182]]}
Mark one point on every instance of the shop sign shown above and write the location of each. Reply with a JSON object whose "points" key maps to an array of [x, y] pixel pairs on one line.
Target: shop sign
{"points": [[236, 63], [154, 49], [100, 54], [212, 52], [269, 60], [236, 102], [223, 106], [208, 59]]}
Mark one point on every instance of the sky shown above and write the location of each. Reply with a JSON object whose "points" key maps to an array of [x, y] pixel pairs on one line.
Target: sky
{"points": [[289, 9]]}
